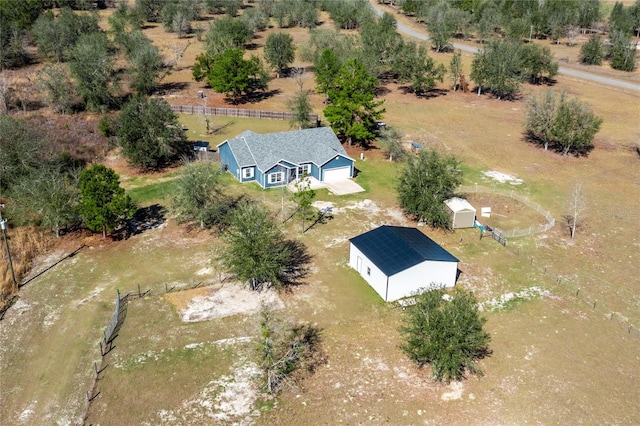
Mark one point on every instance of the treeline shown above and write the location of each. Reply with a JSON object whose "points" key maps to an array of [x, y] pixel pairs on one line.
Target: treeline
{"points": [[551, 19], [533, 19], [54, 191]]}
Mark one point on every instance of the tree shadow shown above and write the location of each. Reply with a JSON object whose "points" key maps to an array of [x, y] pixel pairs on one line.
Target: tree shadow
{"points": [[297, 265], [542, 81], [323, 217], [167, 88], [219, 129], [70, 255], [429, 94], [144, 219], [516, 96], [314, 355], [582, 151], [382, 91], [255, 97]]}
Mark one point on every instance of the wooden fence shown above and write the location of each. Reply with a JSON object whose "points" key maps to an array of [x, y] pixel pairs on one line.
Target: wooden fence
{"points": [[238, 112]]}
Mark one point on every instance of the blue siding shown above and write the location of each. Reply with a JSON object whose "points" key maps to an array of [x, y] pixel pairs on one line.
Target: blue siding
{"points": [[251, 179], [260, 177], [228, 159], [315, 171], [274, 169], [339, 162]]}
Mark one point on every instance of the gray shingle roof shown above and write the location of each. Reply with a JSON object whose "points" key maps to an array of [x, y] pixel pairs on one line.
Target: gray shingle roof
{"points": [[317, 145], [395, 248]]}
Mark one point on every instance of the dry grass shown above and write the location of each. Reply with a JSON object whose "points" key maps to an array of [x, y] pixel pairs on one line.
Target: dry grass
{"points": [[25, 244], [541, 370]]}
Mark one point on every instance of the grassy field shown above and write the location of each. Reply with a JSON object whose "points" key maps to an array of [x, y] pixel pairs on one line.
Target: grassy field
{"points": [[565, 357]]}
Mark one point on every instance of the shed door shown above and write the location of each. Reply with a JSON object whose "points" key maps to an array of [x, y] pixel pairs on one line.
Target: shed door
{"points": [[359, 264], [340, 173]]}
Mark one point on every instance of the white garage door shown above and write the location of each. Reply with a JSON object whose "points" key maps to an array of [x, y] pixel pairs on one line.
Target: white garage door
{"points": [[340, 173]]}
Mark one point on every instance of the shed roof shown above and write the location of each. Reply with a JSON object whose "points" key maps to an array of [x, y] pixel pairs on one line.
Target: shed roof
{"points": [[457, 204], [396, 248], [201, 144], [317, 145]]}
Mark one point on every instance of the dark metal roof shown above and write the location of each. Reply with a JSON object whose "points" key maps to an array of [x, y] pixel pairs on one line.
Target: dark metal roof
{"points": [[396, 248]]}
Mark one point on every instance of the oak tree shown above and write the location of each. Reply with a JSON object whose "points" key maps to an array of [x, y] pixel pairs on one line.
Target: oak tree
{"points": [[92, 66], [150, 135], [257, 253], [198, 195], [426, 181], [445, 331], [234, 76], [565, 125], [279, 51]]}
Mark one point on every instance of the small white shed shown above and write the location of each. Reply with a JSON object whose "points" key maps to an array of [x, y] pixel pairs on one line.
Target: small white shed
{"points": [[399, 261], [462, 213]]}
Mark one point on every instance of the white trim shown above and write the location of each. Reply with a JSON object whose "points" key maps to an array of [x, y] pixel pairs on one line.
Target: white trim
{"points": [[289, 164], [337, 170], [306, 168], [275, 177], [247, 172], [346, 157]]}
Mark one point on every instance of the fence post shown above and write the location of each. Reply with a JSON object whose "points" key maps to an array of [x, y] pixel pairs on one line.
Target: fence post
{"points": [[139, 294]]}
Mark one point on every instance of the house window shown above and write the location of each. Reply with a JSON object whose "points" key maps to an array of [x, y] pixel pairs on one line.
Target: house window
{"points": [[276, 177], [305, 168], [247, 173], [368, 271]]}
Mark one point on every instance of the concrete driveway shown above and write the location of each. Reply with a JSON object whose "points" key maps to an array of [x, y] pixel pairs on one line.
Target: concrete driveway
{"points": [[341, 187]]}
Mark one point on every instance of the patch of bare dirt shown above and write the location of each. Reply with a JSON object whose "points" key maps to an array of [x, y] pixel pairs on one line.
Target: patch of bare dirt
{"points": [[226, 300], [229, 399]]}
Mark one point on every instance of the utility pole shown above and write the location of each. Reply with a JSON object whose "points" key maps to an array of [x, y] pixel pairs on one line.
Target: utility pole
{"points": [[3, 226]]}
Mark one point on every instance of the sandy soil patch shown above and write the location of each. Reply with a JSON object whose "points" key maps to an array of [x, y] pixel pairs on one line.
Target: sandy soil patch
{"points": [[227, 300], [229, 399], [455, 392], [367, 206], [503, 177], [501, 302]]}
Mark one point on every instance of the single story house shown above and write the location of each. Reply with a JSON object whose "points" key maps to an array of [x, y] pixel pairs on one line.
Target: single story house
{"points": [[398, 261], [462, 213], [275, 159]]}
